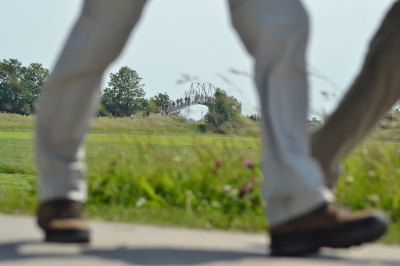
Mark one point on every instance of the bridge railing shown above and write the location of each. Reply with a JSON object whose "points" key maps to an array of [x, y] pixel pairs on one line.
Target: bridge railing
{"points": [[172, 108]]}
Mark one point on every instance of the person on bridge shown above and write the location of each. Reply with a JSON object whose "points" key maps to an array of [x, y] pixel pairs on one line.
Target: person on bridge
{"points": [[297, 167]]}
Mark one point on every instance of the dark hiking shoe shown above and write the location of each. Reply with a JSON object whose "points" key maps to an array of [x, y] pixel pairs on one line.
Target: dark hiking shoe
{"points": [[326, 226], [62, 221]]}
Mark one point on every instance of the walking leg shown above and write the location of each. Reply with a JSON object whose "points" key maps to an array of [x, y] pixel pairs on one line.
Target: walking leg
{"points": [[373, 93], [275, 33], [67, 106]]}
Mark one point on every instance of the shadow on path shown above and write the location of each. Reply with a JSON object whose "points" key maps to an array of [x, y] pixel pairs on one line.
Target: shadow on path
{"points": [[160, 256]]}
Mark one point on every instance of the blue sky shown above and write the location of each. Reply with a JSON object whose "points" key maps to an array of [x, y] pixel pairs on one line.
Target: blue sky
{"points": [[195, 37]]}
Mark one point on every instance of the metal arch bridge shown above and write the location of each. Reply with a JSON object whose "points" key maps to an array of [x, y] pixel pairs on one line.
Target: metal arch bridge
{"points": [[195, 93], [199, 89]]}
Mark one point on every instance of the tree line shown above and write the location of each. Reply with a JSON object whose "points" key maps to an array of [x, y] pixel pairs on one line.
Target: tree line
{"points": [[21, 86]]}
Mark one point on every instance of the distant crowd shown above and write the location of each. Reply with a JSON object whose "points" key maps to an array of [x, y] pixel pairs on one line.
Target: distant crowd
{"points": [[182, 102], [132, 116], [23, 113]]}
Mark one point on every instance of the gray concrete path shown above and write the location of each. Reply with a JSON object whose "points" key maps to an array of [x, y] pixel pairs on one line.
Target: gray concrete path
{"points": [[127, 244]]}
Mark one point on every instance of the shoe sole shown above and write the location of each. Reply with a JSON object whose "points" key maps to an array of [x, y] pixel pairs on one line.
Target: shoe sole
{"points": [[67, 236], [350, 234]]}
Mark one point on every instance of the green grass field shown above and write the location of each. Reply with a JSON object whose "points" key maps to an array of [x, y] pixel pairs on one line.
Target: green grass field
{"points": [[183, 176]]}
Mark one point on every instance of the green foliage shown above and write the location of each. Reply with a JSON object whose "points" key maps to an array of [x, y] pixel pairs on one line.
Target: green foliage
{"points": [[224, 111], [201, 179], [20, 86], [371, 179], [142, 105], [155, 124], [160, 99], [196, 181], [19, 193], [124, 94]]}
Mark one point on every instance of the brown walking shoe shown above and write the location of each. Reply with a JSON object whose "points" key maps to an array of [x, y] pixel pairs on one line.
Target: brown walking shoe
{"points": [[62, 221], [327, 226]]}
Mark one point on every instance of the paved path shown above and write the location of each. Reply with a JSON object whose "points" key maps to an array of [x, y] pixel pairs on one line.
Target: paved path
{"points": [[127, 244]]}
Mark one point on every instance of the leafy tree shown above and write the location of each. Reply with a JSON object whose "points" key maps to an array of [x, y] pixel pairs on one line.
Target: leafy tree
{"points": [[153, 108], [224, 109], [34, 78], [143, 104], [158, 100], [124, 94], [20, 86], [10, 72]]}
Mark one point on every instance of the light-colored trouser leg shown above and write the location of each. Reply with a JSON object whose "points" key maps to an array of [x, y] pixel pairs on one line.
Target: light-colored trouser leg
{"points": [[71, 95], [275, 33], [374, 92]]}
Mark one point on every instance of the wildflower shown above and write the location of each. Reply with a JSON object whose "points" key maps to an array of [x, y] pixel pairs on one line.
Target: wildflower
{"points": [[227, 188], [243, 191], [177, 159], [234, 192], [349, 179], [215, 204], [374, 199], [252, 184], [249, 164], [140, 202], [218, 163], [371, 173]]}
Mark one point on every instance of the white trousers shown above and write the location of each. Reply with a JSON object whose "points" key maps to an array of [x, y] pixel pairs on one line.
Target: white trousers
{"points": [[274, 32]]}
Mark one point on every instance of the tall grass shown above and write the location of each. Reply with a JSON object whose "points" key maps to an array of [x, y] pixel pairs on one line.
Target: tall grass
{"points": [[15, 122], [188, 176], [201, 178], [154, 124], [193, 179]]}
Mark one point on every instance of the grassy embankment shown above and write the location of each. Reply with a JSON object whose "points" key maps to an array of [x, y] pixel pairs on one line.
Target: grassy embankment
{"points": [[180, 175]]}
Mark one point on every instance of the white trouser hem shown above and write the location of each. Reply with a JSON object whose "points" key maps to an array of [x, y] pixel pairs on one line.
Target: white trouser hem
{"points": [[292, 207]]}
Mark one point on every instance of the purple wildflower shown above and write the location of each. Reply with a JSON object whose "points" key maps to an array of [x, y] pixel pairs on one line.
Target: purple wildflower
{"points": [[252, 184], [249, 164], [243, 191]]}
